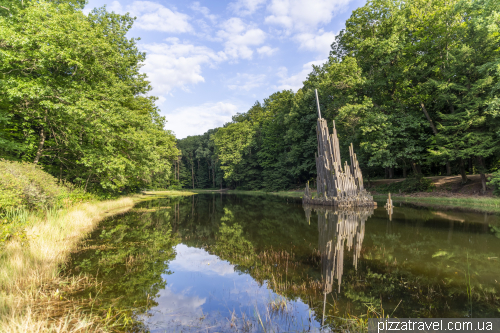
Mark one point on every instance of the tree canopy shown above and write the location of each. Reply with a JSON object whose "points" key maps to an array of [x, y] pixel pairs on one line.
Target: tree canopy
{"points": [[72, 98], [413, 84]]}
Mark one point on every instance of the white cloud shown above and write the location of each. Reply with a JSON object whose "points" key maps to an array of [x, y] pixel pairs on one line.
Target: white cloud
{"points": [[196, 120], [174, 65], [204, 11], [320, 42], [246, 81], [303, 15], [246, 7], [154, 16], [295, 82], [238, 37], [116, 7], [266, 50]]}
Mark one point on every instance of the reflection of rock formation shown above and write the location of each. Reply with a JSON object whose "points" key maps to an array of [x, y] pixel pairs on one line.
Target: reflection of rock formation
{"points": [[389, 206], [338, 228]]}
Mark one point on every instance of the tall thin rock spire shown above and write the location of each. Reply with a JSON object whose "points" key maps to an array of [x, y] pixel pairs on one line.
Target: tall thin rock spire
{"points": [[336, 184]]}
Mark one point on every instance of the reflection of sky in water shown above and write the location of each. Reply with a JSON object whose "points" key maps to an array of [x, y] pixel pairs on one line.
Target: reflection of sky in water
{"points": [[204, 291]]}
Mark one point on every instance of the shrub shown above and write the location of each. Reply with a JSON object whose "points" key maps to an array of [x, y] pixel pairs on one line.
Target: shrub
{"points": [[26, 185], [414, 183], [494, 180]]}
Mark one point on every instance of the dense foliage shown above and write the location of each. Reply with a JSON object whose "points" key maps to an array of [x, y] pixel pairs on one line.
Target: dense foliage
{"points": [[413, 84], [24, 185], [72, 98]]}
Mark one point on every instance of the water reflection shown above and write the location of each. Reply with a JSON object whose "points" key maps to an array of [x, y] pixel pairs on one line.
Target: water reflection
{"points": [[337, 229], [197, 262]]}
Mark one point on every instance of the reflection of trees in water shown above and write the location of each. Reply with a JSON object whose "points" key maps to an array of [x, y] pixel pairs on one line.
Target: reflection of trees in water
{"points": [[128, 254], [336, 229]]}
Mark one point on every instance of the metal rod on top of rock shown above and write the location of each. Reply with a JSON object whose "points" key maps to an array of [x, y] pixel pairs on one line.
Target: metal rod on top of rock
{"points": [[317, 102]]}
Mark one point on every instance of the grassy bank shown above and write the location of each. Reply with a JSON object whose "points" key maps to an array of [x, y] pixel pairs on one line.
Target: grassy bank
{"points": [[172, 193], [35, 245], [288, 194], [464, 202], [28, 263], [470, 203]]}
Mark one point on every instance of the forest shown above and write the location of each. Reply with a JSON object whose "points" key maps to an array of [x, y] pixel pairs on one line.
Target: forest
{"points": [[73, 100], [412, 84]]}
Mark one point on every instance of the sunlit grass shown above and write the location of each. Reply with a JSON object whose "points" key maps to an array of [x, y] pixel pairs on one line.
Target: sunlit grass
{"points": [[27, 264], [472, 203], [289, 194], [169, 193]]}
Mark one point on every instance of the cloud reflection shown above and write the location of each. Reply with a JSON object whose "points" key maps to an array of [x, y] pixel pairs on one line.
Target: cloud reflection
{"points": [[191, 259], [179, 307]]}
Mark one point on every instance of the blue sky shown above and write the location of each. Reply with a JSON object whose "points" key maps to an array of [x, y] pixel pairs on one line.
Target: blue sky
{"points": [[208, 60]]}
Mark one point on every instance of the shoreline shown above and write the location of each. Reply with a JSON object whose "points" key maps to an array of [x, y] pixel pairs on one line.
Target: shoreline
{"points": [[30, 283], [27, 268], [462, 203], [442, 200], [31, 287]]}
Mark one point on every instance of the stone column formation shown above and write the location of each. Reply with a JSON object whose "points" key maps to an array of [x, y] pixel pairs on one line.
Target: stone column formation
{"points": [[336, 185]]}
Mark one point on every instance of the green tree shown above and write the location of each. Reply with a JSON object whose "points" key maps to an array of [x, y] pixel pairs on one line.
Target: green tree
{"points": [[231, 145], [72, 98]]}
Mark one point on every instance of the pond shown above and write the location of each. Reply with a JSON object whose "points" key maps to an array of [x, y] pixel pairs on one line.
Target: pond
{"points": [[222, 262]]}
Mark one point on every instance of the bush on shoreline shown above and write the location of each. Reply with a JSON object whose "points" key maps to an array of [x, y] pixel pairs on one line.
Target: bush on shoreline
{"points": [[28, 192], [26, 186], [23, 185]]}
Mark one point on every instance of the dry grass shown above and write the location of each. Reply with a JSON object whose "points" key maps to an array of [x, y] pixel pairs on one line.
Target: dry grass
{"points": [[169, 193], [27, 269]]}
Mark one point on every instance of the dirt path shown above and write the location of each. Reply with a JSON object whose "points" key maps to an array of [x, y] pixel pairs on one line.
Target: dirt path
{"points": [[445, 186]]}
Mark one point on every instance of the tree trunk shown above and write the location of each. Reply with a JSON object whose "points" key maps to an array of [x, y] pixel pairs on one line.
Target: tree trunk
{"points": [[414, 167], [386, 173], [462, 171], [434, 130], [192, 173], [40, 146], [404, 171], [213, 173], [482, 170], [471, 168], [391, 172]]}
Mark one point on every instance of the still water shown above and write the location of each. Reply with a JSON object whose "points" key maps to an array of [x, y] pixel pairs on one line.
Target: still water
{"points": [[221, 262]]}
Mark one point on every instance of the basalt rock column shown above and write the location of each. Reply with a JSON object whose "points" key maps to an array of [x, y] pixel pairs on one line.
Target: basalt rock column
{"points": [[337, 185]]}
